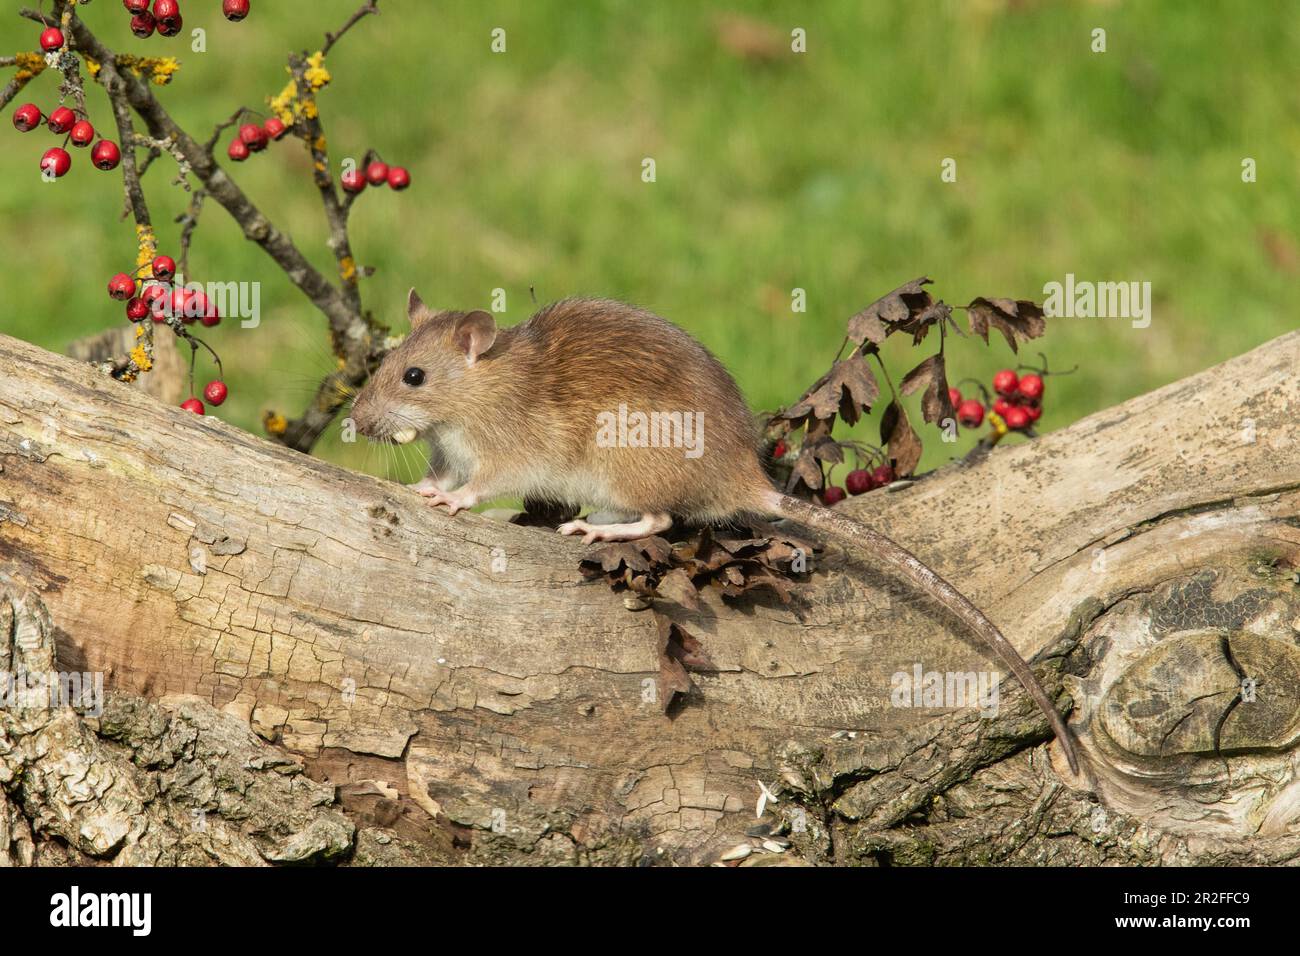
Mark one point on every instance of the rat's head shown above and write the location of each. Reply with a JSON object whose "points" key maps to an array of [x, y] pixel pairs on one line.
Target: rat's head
{"points": [[423, 382]]}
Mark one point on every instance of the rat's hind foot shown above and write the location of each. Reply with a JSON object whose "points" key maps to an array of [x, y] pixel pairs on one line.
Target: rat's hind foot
{"points": [[648, 525], [454, 500]]}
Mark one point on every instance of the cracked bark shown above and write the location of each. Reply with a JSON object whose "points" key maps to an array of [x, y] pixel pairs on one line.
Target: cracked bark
{"points": [[462, 696]]}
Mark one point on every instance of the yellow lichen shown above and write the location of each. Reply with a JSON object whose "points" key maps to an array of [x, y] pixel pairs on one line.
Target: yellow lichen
{"points": [[316, 74], [288, 104], [159, 69], [274, 423], [348, 269], [140, 358], [29, 65], [320, 144], [147, 243]]}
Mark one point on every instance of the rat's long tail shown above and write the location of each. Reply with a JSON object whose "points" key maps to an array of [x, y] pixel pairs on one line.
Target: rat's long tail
{"points": [[899, 559]]}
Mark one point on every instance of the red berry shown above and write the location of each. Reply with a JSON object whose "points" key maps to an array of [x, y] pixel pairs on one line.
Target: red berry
{"points": [[1031, 387], [82, 133], [61, 120], [56, 161], [152, 294], [238, 150], [970, 413], [398, 178], [164, 267], [859, 481], [882, 476], [136, 6], [1001, 406], [1004, 382], [181, 305], [954, 396], [168, 15], [201, 307], [143, 24], [833, 495], [254, 137], [353, 180], [377, 173], [106, 155], [51, 39], [780, 449], [157, 298], [27, 117], [1034, 412], [1017, 418], [274, 128], [137, 309], [235, 10], [193, 405], [121, 286], [215, 393]]}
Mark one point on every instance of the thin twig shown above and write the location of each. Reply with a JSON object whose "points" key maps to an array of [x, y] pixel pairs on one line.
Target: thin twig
{"points": [[188, 221], [372, 6]]}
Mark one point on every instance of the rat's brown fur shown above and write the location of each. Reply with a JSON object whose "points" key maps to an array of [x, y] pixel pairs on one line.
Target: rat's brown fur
{"points": [[528, 409], [515, 412]]}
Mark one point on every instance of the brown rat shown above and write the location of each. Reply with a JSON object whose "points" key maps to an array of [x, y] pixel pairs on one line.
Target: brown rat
{"points": [[598, 403]]}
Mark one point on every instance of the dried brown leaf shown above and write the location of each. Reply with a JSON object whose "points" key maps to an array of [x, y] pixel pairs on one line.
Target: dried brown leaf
{"points": [[677, 586], [848, 389], [889, 312], [932, 375], [673, 679], [904, 445], [1019, 320]]}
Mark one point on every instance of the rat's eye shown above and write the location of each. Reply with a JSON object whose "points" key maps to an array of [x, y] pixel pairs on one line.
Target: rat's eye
{"points": [[414, 377]]}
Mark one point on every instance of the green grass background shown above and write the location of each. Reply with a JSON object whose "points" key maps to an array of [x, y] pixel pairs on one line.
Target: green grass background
{"points": [[818, 171]]}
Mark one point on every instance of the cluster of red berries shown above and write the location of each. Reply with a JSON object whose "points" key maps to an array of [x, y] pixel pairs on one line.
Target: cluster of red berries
{"points": [[165, 17], [253, 138], [214, 392], [1019, 403], [377, 173], [158, 298], [56, 160], [858, 482]]}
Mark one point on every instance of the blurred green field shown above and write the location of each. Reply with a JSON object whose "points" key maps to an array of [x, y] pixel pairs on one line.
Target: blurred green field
{"points": [[819, 171]]}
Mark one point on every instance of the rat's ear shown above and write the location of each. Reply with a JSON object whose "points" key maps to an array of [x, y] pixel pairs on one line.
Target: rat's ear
{"points": [[474, 335], [417, 311]]}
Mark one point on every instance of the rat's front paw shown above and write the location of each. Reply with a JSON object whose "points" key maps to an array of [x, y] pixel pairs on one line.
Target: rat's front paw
{"points": [[454, 500], [426, 486]]}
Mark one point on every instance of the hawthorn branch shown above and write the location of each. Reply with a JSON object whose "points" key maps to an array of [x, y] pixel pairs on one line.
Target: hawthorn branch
{"points": [[312, 132], [358, 337], [130, 367], [368, 8], [189, 221]]}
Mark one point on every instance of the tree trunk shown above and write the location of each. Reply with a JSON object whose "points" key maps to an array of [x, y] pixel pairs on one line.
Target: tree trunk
{"points": [[473, 699]]}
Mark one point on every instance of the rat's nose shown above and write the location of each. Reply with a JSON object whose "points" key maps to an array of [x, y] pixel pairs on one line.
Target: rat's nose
{"points": [[362, 415]]}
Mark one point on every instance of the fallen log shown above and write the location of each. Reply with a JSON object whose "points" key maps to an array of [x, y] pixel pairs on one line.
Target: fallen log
{"points": [[465, 689]]}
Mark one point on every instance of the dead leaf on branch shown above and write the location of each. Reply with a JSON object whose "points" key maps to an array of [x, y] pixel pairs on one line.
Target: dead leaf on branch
{"points": [[849, 389], [933, 376], [1019, 320], [909, 308], [897, 433]]}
